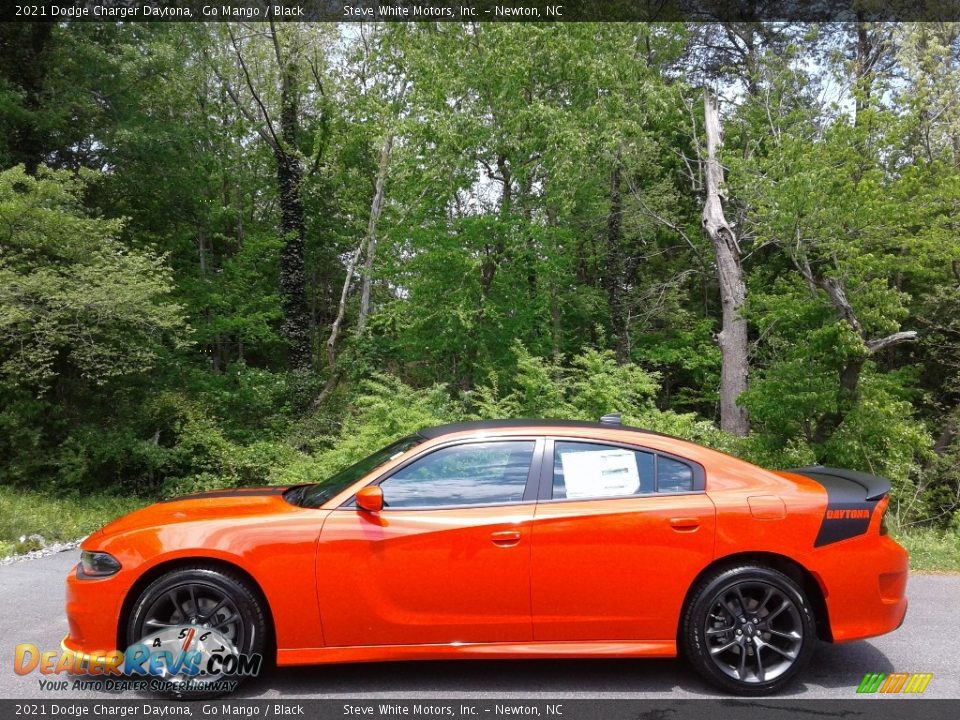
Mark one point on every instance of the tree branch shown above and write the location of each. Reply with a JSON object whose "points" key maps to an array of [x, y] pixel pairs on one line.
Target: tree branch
{"points": [[896, 338], [257, 124], [838, 297], [276, 144]]}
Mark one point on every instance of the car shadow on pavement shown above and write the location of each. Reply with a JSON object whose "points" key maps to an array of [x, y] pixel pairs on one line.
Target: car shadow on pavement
{"points": [[844, 665], [832, 667]]}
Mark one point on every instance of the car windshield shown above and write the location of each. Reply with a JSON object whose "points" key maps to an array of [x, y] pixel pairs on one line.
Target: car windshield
{"points": [[315, 495]]}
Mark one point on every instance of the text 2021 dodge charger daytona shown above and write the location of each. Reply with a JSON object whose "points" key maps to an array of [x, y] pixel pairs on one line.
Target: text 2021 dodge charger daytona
{"points": [[512, 539]]}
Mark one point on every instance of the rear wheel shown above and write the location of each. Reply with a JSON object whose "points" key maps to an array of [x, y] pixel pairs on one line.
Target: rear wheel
{"points": [[748, 629], [203, 598]]}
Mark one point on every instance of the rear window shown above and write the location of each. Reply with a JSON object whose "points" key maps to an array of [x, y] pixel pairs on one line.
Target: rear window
{"points": [[673, 475], [583, 471]]}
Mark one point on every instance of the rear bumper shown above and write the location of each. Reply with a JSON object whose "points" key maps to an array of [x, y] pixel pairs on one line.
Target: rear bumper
{"points": [[865, 583]]}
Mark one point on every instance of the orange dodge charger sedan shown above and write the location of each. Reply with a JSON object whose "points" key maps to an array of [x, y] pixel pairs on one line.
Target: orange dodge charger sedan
{"points": [[512, 539]]}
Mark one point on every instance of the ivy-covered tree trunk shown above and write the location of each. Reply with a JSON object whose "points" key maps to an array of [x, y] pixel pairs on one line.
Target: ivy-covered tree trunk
{"points": [[733, 288], [293, 275]]}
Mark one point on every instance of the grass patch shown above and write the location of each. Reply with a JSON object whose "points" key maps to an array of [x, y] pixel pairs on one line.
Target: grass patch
{"points": [[56, 518], [931, 550]]}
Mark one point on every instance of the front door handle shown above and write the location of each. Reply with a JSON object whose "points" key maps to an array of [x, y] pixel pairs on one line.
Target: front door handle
{"points": [[505, 538], [684, 524]]}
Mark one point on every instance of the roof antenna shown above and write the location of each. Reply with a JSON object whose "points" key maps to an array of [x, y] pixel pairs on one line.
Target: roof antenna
{"points": [[611, 419]]}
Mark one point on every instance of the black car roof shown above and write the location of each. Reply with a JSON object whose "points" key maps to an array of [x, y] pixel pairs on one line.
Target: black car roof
{"points": [[440, 430]]}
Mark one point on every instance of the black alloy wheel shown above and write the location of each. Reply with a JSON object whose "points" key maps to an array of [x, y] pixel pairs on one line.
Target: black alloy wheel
{"points": [[206, 598], [749, 629]]}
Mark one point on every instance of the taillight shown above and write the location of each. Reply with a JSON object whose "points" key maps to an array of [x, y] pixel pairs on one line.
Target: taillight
{"points": [[883, 520]]}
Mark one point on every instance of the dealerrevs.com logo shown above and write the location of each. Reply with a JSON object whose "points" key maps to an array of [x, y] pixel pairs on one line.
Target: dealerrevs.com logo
{"points": [[177, 659], [894, 682]]}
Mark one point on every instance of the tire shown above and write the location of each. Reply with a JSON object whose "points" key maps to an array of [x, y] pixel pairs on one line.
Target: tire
{"points": [[748, 629], [208, 589]]}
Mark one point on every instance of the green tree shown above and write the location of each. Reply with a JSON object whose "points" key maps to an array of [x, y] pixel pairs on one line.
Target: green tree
{"points": [[81, 316]]}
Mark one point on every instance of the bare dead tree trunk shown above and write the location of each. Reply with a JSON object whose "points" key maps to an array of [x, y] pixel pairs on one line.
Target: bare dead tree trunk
{"points": [[335, 329], [376, 208], [342, 307], [733, 289]]}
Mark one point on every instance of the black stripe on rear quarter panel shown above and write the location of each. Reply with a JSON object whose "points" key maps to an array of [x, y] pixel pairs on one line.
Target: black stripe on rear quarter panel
{"points": [[851, 499]]}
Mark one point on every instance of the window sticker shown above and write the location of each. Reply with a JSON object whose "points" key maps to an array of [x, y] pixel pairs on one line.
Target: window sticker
{"points": [[607, 473]]}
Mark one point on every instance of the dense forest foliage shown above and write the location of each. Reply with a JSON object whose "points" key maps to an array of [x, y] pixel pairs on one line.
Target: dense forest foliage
{"points": [[233, 254]]}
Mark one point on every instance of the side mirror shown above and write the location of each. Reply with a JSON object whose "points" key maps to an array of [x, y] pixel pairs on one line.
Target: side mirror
{"points": [[370, 498]]}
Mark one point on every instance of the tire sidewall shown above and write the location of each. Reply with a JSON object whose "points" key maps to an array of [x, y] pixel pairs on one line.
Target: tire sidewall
{"points": [[694, 638]]}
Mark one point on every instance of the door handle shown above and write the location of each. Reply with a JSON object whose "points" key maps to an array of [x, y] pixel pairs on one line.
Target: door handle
{"points": [[684, 524], [505, 538]]}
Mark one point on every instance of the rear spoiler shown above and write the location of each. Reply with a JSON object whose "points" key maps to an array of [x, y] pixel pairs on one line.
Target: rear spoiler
{"points": [[874, 486]]}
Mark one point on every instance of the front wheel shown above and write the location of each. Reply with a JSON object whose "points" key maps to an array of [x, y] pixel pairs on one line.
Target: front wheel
{"points": [[207, 611], [748, 629]]}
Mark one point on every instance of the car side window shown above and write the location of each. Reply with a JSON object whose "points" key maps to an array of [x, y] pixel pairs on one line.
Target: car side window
{"points": [[587, 470], [593, 471], [673, 475], [470, 474]]}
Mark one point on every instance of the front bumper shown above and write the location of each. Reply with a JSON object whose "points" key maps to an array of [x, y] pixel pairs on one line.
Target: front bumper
{"points": [[93, 608]]}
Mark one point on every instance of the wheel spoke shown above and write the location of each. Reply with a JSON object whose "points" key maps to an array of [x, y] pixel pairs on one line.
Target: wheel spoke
{"points": [[766, 599], [792, 635], [783, 606], [761, 673], [719, 631], [195, 613], [742, 667], [210, 615], [743, 603], [729, 608], [153, 622], [718, 650], [788, 655], [226, 621]]}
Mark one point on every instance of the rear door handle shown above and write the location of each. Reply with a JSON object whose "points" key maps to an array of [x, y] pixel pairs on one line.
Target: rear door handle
{"points": [[684, 524], [505, 538]]}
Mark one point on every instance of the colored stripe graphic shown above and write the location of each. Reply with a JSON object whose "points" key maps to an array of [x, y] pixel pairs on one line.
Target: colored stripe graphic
{"points": [[894, 683], [918, 683], [871, 682]]}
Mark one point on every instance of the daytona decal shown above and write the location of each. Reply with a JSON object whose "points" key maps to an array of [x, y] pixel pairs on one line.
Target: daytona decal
{"points": [[856, 514], [851, 499]]}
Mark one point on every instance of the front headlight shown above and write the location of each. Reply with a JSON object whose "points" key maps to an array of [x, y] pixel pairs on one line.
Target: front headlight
{"points": [[98, 564]]}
